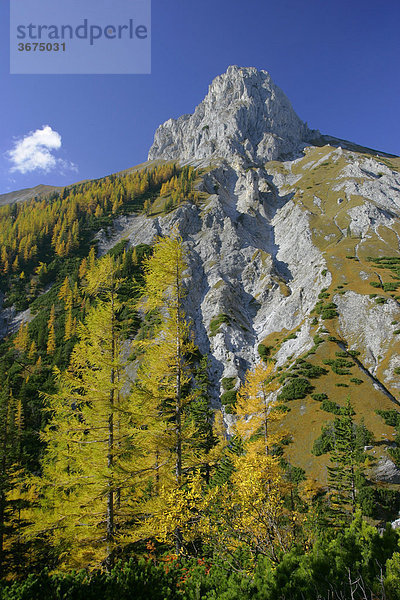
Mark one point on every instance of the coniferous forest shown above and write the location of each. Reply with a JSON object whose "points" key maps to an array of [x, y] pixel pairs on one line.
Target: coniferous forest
{"points": [[117, 476]]}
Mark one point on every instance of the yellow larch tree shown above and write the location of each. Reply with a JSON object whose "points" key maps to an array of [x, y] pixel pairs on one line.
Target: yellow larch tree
{"points": [[162, 393], [69, 324], [21, 340], [32, 351], [88, 469], [256, 410], [83, 268], [51, 337], [249, 510]]}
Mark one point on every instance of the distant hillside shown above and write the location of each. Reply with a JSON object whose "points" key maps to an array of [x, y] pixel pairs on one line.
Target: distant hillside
{"points": [[28, 193]]}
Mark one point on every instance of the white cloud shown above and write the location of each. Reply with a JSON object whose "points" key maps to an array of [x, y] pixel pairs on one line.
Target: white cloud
{"points": [[35, 152]]}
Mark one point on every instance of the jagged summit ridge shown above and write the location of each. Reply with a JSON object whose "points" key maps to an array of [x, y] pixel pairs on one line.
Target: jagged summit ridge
{"points": [[244, 116]]}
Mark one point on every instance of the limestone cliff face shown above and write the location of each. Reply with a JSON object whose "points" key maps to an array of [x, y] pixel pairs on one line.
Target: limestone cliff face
{"points": [[244, 117], [274, 233], [250, 257]]}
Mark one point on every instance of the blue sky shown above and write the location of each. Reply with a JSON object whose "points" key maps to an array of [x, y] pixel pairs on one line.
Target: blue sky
{"points": [[336, 60]]}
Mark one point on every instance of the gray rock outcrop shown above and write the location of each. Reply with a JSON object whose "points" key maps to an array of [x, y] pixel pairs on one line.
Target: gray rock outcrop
{"points": [[387, 472], [250, 256], [244, 117]]}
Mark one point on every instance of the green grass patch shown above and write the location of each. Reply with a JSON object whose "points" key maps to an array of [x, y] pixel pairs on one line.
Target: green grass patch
{"points": [[339, 366], [228, 400], [296, 389], [390, 287], [228, 383], [391, 417], [216, 323], [264, 351], [319, 397], [331, 407]]}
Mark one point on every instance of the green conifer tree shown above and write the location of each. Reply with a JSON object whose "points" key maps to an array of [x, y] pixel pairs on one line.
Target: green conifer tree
{"points": [[346, 467]]}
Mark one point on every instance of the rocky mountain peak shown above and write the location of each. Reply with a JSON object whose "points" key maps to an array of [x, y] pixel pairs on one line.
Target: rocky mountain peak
{"points": [[244, 116]]}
